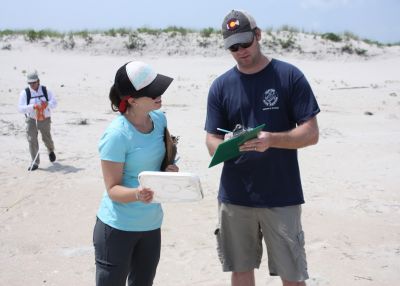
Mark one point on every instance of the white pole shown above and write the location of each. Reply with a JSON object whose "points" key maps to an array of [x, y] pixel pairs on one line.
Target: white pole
{"points": [[37, 154]]}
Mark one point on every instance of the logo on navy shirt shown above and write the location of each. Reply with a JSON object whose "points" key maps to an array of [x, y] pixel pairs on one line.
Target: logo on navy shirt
{"points": [[270, 99]]}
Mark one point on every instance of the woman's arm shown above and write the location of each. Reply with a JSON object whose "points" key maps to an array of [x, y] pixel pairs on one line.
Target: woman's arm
{"points": [[112, 175]]}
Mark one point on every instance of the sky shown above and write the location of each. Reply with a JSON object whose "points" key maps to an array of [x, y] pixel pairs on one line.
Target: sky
{"points": [[377, 20]]}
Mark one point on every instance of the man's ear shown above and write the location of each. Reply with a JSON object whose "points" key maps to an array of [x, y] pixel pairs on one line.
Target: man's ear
{"points": [[257, 32]]}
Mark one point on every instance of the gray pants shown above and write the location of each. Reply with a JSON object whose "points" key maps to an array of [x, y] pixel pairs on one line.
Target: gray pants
{"points": [[32, 134]]}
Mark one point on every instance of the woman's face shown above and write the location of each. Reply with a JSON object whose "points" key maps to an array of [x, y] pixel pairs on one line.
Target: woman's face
{"points": [[147, 103]]}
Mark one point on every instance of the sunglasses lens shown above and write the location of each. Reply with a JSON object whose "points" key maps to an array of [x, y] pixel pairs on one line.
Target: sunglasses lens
{"points": [[246, 45], [235, 47]]}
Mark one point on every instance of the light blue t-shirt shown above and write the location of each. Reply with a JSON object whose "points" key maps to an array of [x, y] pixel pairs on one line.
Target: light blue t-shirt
{"points": [[122, 143]]}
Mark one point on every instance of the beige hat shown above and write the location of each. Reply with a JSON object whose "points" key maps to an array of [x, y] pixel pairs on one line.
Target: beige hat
{"points": [[32, 77]]}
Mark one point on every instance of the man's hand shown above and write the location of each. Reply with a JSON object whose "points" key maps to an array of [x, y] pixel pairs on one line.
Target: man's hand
{"points": [[39, 109], [260, 144]]}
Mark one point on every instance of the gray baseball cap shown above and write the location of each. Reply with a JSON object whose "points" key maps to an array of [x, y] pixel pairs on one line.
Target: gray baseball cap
{"points": [[32, 76], [238, 27]]}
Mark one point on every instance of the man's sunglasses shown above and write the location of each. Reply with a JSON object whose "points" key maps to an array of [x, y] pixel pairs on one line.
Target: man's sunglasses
{"points": [[235, 47]]}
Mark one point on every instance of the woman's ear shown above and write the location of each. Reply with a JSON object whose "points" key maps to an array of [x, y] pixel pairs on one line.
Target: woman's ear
{"points": [[132, 101]]}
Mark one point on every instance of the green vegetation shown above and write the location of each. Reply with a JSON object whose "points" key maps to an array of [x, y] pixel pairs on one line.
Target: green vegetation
{"points": [[154, 32], [331, 37], [206, 33], [68, 42], [287, 43], [351, 50], [350, 36], [283, 38], [115, 32], [177, 30], [135, 42], [33, 36], [287, 28]]}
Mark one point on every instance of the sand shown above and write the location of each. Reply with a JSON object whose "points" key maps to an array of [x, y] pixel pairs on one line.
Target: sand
{"points": [[351, 178]]}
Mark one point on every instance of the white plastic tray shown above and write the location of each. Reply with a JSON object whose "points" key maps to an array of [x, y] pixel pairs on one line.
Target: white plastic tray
{"points": [[172, 186]]}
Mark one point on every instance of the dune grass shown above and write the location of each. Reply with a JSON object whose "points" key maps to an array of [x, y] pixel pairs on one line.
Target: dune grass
{"points": [[284, 37]]}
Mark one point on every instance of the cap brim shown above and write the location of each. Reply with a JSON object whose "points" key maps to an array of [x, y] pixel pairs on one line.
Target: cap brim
{"points": [[32, 81], [158, 86], [245, 37]]}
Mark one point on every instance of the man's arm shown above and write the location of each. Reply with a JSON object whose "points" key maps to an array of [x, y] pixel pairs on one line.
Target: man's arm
{"points": [[52, 100], [212, 142], [303, 135], [22, 106]]}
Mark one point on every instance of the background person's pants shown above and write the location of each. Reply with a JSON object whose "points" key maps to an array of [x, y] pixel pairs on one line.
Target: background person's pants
{"points": [[32, 134]]}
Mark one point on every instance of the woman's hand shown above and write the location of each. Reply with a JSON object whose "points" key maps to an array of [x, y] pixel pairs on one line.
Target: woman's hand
{"points": [[144, 195], [172, 168]]}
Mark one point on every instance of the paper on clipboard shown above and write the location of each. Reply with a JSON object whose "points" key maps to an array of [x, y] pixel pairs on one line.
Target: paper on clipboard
{"points": [[230, 148], [172, 186]]}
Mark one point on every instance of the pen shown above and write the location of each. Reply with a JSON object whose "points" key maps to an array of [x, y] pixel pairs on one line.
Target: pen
{"points": [[223, 130]]}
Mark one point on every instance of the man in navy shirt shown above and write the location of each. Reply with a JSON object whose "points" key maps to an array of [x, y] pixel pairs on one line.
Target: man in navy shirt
{"points": [[260, 192]]}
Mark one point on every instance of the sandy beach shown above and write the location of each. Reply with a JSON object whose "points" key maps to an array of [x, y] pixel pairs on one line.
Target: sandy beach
{"points": [[351, 178]]}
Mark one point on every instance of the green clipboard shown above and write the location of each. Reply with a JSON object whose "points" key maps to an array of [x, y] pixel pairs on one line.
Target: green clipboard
{"points": [[230, 148]]}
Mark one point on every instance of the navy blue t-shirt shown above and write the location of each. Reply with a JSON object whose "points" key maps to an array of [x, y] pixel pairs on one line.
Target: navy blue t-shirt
{"points": [[279, 96]]}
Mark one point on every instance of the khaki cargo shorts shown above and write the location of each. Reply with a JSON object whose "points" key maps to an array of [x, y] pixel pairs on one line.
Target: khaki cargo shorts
{"points": [[239, 240]]}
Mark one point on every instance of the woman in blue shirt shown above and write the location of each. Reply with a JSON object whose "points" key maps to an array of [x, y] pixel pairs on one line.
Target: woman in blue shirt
{"points": [[127, 236]]}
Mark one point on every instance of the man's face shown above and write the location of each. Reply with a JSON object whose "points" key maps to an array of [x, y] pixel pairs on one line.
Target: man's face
{"points": [[34, 85], [245, 54]]}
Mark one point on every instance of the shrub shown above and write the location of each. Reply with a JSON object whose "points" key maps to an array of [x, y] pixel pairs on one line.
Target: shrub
{"points": [[68, 44], [135, 42], [6, 47], [360, 52], [86, 36], [111, 33], [115, 32], [203, 43], [176, 30], [349, 35], [33, 36], [287, 43], [206, 33], [6, 32], [370, 42], [331, 37], [347, 49], [149, 31], [288, 28]]}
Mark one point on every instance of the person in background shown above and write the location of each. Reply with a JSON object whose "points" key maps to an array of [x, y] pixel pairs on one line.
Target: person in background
{"points": [[260, 192], [127, 235], [36, 102]]}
